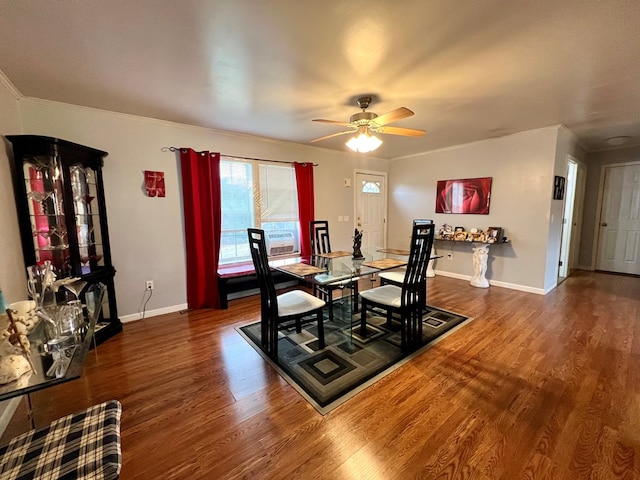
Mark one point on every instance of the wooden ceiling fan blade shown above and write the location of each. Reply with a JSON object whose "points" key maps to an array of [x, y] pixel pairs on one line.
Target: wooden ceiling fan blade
{"points": [[407, 132], [392, 116], [334, 122], [331, 136]]}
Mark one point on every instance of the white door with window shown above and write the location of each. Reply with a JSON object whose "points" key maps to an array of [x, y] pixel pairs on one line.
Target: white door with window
{"points": [[619, 237], [371, 208]]}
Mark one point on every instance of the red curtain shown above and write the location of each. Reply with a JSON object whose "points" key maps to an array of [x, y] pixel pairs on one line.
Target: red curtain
{"points": [[202, 222], [304, 181]]}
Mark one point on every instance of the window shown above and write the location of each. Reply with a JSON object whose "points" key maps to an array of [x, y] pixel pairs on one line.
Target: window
{"points": [[258, 195], [370, 187]]}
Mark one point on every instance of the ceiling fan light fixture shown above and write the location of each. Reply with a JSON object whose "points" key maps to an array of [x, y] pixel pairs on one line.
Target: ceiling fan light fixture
{"points": [[617, 141], [364, 143]]}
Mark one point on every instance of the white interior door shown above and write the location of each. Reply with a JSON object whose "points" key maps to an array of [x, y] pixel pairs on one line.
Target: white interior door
{"points": [[567, 219], [576, 228], [371, 209], [619, 237]]}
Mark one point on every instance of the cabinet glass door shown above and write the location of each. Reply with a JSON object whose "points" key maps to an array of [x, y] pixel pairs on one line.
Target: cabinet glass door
{"points": [[44, 187], [87, 212]]}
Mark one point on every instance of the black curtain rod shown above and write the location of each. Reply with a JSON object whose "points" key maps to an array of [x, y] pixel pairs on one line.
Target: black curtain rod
{"points": [[175, 149]]}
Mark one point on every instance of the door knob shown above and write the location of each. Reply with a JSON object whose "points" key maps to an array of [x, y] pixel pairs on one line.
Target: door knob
{"points": [[604, 224]]}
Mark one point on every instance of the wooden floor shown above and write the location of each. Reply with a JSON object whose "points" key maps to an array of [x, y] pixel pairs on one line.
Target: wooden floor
{"points": [[535, 387]]}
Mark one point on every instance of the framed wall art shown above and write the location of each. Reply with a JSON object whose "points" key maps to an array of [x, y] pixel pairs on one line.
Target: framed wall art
{"points": [[154, 183], [494, 235], [468, 195], [558, 188]]}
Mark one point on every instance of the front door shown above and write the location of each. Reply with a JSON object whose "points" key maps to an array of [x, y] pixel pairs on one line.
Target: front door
{"points": [[371, 209], [619, 237]]}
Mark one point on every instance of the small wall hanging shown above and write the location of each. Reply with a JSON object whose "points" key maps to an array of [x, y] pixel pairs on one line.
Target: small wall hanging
{"points": [[154, 183], [558, 188]]}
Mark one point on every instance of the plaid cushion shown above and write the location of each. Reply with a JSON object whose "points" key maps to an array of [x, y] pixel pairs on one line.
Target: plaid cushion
{"points": [[84, 445]]}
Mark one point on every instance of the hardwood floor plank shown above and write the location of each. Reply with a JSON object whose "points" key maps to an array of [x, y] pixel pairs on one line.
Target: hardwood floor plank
{"points": [[535, 387]]}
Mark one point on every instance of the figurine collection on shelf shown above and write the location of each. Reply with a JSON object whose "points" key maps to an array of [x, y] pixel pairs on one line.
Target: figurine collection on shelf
{"points": [[460, 234]]}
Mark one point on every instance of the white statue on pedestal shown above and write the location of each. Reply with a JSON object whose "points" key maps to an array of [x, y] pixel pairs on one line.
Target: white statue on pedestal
{"points": [[480, 255]]}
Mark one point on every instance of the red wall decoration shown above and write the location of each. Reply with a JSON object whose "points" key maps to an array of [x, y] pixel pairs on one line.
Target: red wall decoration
{"points": [[154, 183], [469, 195]]}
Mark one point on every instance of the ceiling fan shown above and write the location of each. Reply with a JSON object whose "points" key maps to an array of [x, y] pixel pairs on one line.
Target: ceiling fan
{"points": [[366, 123]]}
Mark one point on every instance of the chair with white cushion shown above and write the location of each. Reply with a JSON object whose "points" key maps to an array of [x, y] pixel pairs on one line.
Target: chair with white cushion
{"points": [[408, 300], [320, 244], [279, 311], [396, 277]]}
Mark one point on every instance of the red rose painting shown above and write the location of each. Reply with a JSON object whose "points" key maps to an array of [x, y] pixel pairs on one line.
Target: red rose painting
{"points": [[470, 195]]}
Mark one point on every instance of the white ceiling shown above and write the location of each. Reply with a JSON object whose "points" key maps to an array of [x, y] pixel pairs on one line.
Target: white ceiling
{"points": [[469, 69]]}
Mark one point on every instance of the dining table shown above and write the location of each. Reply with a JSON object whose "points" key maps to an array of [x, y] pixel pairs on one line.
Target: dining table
{"points": [[341, 267], [338, 266]]}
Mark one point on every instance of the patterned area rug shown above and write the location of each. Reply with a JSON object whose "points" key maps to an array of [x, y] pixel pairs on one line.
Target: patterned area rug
{"points": [[349, 363]]}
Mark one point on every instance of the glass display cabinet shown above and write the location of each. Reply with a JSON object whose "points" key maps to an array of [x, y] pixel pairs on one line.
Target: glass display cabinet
{"points": [[62, 214]]}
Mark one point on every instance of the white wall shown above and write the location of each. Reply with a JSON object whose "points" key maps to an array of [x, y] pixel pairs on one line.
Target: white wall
{"points": [[147, 240], [12, 271], [566, 145], [522, 166]]}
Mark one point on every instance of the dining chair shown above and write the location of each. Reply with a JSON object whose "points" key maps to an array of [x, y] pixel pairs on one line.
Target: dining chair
{"points": [[396, 277], [280, 311], [321, 244], [407, 301], [82, 445]]}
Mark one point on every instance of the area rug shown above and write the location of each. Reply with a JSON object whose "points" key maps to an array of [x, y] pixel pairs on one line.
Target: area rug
{"points": [[349, 363]]}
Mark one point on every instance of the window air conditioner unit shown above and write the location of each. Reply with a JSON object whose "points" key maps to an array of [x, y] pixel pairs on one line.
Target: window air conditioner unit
{"points": [[280, 243]]}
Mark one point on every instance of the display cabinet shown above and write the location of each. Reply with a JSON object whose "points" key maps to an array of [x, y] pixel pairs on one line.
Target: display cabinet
{"points": [[62, 214]]}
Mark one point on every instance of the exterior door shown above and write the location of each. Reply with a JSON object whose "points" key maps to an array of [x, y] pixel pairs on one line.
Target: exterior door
{"points": [[371, 209], [619, 237]]}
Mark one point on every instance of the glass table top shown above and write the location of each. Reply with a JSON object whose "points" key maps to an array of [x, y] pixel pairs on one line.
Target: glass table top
{"points": [[43, 362]]}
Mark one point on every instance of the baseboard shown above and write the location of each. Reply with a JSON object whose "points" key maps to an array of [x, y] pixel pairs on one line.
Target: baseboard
{"points": [[176, 308], [495, 283], [459, 276], [153, 313], [7, 409]]}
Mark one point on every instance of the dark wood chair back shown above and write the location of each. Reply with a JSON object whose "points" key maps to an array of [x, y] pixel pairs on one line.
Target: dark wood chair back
{"points": [[422, 221], [268, 297], [319, 233], [414, 285]]}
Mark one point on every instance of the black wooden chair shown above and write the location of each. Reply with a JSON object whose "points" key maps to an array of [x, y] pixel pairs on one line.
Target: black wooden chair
{"points": [[407, 301], [279, 311], [396, 277], [321, 243]]}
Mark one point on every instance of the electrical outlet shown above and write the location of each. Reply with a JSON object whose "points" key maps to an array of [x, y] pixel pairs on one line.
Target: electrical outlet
{"points": [[149, 285], [450, 256]]}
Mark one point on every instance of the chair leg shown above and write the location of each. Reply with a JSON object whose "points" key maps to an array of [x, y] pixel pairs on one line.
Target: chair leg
{"points": [[273, 340], [320, 329], [330, 302], [363, 318], [354, 298]]}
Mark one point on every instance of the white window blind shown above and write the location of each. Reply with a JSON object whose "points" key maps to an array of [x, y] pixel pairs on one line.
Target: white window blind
{"points": [[258, 195]]}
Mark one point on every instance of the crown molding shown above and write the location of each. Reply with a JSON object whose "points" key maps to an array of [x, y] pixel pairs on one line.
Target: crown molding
{"points": [[4, 80]]}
